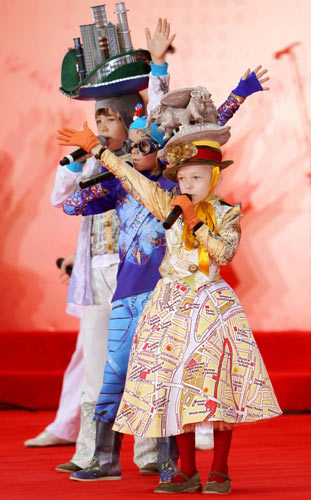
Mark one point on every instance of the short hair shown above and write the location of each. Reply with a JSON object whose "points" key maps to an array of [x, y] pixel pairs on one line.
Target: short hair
{"points": [[108, 112]]}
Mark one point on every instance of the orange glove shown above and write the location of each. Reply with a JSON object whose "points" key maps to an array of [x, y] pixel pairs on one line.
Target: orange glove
{"points": [[85, 138], [191, 218]]}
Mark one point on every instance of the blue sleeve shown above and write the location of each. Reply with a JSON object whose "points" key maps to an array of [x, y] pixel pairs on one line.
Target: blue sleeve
{"points": [[159, 69], [76, 166]]}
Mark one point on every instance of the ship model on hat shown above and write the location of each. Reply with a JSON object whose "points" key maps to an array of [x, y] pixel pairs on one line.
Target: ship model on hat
{"points": [[189, 118], [104, 63]]}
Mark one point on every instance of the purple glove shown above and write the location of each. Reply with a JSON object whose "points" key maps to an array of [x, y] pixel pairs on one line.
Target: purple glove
{"points": [[248, 86]]}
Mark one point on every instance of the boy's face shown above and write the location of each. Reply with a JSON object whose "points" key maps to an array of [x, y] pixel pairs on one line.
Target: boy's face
{"points": [[195, 180], [140, 161], [113, 129]]}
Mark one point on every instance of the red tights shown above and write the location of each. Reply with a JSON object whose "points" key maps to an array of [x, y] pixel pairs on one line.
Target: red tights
{"points": [[222, 442], [186, 448]]}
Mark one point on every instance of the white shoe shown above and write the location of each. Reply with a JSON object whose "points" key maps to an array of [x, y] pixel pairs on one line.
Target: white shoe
{"points": [[204, 441], [46, 438]]}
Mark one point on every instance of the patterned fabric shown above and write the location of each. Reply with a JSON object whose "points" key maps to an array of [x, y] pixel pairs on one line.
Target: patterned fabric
{"points": [[145, 451], [105, 233], [78, 201], [86, 440], [227, 109], [193, 359], [181, 263], [141, 238], [123, 320]]}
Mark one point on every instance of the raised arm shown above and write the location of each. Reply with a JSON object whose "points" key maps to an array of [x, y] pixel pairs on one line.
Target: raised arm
{"points": [[146, 192], [249, 83], [158, 45], [143, 190], [93, 200], [66, 182]]}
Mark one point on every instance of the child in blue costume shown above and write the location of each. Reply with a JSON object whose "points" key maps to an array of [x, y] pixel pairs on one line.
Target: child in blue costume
{"points": [[141, 250]]}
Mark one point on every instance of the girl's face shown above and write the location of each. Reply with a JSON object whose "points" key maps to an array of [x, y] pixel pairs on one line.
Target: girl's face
{"points": [[195, 180], [140, 161]]}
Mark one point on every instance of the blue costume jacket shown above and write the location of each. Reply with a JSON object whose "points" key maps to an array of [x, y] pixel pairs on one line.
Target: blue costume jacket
{"points": [[142, 236]]}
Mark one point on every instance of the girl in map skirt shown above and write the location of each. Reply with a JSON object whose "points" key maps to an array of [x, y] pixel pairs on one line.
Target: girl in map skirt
{"points": [[194, 358]]}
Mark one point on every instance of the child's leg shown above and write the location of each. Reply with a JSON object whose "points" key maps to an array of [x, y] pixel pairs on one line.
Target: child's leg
{"points": [[186, 448], [222, 442]]}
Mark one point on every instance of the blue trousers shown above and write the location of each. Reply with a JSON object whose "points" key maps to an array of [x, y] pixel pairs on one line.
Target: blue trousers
{"points": [[123, 320]]}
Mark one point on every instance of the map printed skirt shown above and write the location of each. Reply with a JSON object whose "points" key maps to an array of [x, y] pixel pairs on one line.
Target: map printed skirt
{"points": [[193, 359]]}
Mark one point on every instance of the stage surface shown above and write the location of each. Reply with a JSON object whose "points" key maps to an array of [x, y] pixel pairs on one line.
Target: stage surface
{"points": [[270, 460]]}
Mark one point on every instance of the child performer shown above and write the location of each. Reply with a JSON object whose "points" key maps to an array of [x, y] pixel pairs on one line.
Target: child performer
{"points": [[141, 249], [112, 117], [138, 251], [93, 278], [194, 357]]}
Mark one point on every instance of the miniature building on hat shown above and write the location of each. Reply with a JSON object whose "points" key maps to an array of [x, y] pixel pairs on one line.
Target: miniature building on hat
{"points": [[105, 57], [123, 28]]}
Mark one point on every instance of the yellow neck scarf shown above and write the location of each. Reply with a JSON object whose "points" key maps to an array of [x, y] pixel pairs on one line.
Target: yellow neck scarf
{"points": [[205, 212]]}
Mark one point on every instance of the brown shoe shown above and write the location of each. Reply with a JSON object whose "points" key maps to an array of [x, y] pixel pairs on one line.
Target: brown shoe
{"points": [[191, 485], [150, 469], [215, 488], [68, 467]]}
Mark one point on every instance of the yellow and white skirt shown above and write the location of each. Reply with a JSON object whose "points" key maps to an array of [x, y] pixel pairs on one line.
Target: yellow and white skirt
{"points": [[193, 359]]}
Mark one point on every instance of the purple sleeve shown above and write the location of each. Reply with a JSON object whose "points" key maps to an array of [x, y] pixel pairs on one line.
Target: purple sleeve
{"points": [[76, 204], [227, 110]]}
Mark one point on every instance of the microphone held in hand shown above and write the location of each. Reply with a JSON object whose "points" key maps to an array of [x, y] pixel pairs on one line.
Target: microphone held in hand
{"points": [[79, 153], [174, 214], [59, 265]]}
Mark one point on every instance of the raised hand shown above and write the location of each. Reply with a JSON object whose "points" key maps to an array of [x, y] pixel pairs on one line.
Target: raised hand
{"points": [[250, 83], [259, 72], [159, 43], [85, 138]]}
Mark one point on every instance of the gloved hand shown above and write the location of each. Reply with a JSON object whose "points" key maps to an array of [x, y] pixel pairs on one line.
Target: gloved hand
{"points": [[190, 217], [85, 138], [248, 86], [251, 82]]}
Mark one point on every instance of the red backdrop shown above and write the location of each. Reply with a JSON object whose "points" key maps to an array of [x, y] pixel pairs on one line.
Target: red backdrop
{"points": [[215, 43]]}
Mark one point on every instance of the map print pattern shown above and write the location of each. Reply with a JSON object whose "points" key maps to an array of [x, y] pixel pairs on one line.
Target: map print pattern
{"points": [[193, 359]]}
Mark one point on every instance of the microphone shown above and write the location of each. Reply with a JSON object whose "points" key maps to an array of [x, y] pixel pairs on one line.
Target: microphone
{"points": [[59, 265], [97, 179], [174, 214], [287, 50], [75, 155]]}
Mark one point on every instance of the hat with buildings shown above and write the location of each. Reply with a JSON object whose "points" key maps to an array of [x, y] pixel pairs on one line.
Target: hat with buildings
{"points": [[103, 62]]}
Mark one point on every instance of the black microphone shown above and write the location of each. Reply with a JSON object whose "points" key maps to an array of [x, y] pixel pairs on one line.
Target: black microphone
{"points": [[59, 265], [174, 214], [97, 179], [75, 155]]}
